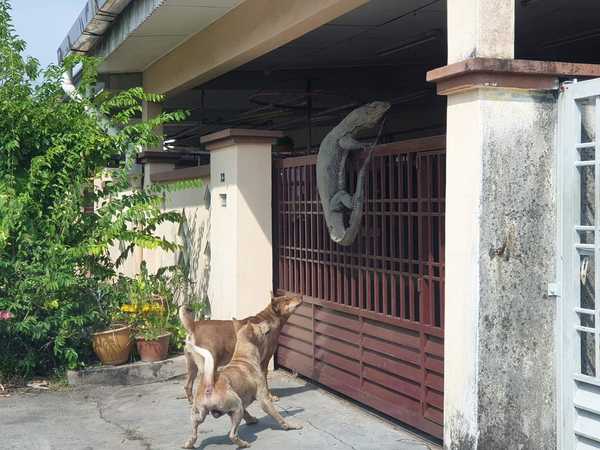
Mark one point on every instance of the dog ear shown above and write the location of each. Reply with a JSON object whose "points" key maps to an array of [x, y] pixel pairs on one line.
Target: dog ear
{"points": [[277, 305]]}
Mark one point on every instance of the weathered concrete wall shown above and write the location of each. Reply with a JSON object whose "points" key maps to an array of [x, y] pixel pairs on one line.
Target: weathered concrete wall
{"points": [[518, 258], [507, 218]]}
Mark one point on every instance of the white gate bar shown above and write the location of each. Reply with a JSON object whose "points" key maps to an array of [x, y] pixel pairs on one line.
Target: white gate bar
{"points": [[590, 312], [583, 145], [585, 329], [586, 248], [586, 379], [597, 245]]}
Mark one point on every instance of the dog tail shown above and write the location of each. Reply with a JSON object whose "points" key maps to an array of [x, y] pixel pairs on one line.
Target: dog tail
{"points": [[187, 318], [209, 366]]}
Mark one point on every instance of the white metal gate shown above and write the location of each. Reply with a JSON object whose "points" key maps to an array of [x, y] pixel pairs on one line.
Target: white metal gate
{"points": [[578, 169]]}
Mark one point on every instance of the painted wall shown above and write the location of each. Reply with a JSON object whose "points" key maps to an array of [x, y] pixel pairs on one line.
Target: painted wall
{"points": [[194, 203], [463, 193]]}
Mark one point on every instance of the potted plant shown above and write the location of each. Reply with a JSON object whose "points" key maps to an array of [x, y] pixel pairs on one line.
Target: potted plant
{"points": [[112, 344], [152, 335], [148, 312]]}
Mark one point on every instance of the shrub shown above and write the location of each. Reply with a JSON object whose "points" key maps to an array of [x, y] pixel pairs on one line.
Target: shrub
{"points": [[56, 276]]}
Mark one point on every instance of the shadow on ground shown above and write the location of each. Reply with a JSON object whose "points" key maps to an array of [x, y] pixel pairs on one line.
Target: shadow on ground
{"points": [[249, 433]]}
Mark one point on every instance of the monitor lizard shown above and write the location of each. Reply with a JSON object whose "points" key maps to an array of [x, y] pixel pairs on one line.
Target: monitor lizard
{"points": [[331, 171]]}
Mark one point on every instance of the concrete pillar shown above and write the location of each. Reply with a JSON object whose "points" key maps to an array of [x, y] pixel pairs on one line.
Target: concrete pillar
{"points": [[241, 274], [500, 257], [500, 227], [480, 29]]}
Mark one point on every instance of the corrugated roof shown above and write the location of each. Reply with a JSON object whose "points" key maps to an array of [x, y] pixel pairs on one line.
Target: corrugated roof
{"points": [[93, 21]]}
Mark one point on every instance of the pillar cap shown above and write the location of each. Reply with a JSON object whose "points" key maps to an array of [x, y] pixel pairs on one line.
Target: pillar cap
{"points": [[507, 73], [232, 136], [167, 157]]}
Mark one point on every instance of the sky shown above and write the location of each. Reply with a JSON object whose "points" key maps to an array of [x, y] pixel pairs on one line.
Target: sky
{"points": [[44, 24]]}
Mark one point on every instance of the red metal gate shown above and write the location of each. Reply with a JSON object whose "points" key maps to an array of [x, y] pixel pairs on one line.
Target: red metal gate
{"points": [[372, 325]]}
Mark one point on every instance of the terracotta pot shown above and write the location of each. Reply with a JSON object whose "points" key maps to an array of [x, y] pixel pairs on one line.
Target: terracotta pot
{"points": [[155, 350], [113, 346]]}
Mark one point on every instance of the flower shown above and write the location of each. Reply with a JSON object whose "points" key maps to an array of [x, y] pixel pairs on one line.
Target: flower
{"points": [[6, 315], [145, 308], [129, 308], [152, 308]]}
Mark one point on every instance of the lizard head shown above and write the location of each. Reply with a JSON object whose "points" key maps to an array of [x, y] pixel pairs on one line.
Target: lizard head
{"points": [[365, 117]]}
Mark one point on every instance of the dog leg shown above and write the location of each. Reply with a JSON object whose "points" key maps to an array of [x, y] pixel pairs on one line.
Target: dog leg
{"points": [[197, 418], [192, 372], [236, 419], [249, 418], [272, 397], [268, 407]]}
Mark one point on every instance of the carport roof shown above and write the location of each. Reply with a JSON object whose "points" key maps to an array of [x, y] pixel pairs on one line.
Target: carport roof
{"points": [[130, 36]]}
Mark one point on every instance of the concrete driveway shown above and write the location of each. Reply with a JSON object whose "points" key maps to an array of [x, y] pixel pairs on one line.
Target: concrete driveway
{"points": [[155, 416]]}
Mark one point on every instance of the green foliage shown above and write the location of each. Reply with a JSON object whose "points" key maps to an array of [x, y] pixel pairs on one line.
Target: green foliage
{"points": [[56, 275], [152, 310]]}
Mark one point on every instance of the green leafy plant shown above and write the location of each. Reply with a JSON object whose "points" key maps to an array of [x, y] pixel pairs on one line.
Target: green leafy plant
{"points": [[152, 309], [150, 301], [56, 274]]}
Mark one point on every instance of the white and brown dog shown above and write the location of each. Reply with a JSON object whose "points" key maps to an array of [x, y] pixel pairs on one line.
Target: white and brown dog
{"points": [[236, 385]]}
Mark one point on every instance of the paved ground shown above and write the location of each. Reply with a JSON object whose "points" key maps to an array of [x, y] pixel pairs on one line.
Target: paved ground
{"points": [[154, 416]]}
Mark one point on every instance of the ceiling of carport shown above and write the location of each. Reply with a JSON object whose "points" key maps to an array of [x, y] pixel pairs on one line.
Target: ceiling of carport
{"points": [[340, 59], [345, 56], [358, 37]]}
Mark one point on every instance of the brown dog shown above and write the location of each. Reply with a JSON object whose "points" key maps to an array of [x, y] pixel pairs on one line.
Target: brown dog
{"points": [[219, 337], [236, 386]]}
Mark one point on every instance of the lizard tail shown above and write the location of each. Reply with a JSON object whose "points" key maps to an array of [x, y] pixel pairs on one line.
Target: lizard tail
{"points": [[359, 195]]}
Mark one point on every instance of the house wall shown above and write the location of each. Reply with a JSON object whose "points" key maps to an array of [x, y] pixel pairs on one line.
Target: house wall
{"points": [[194, 203]]}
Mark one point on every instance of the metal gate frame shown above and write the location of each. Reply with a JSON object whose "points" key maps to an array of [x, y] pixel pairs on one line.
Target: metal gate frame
{"points": [[578, 164], [372, 324]]}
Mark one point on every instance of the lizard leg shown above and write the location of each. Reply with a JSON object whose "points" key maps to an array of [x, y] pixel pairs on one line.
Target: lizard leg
{"points": [[339, 200]]}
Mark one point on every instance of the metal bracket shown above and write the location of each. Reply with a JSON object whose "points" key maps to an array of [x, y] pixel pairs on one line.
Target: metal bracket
{"points": [[553, 290]]}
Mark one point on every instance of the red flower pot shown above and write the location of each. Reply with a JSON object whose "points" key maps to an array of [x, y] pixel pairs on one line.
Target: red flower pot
{"points": [[155, 350]]}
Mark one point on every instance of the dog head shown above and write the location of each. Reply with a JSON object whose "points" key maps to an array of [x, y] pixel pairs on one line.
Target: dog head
{"points": [[285, 305], [255, 333]]}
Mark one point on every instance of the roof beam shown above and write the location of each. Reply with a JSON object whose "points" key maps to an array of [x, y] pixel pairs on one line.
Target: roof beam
{"points": [[250, 30]]}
